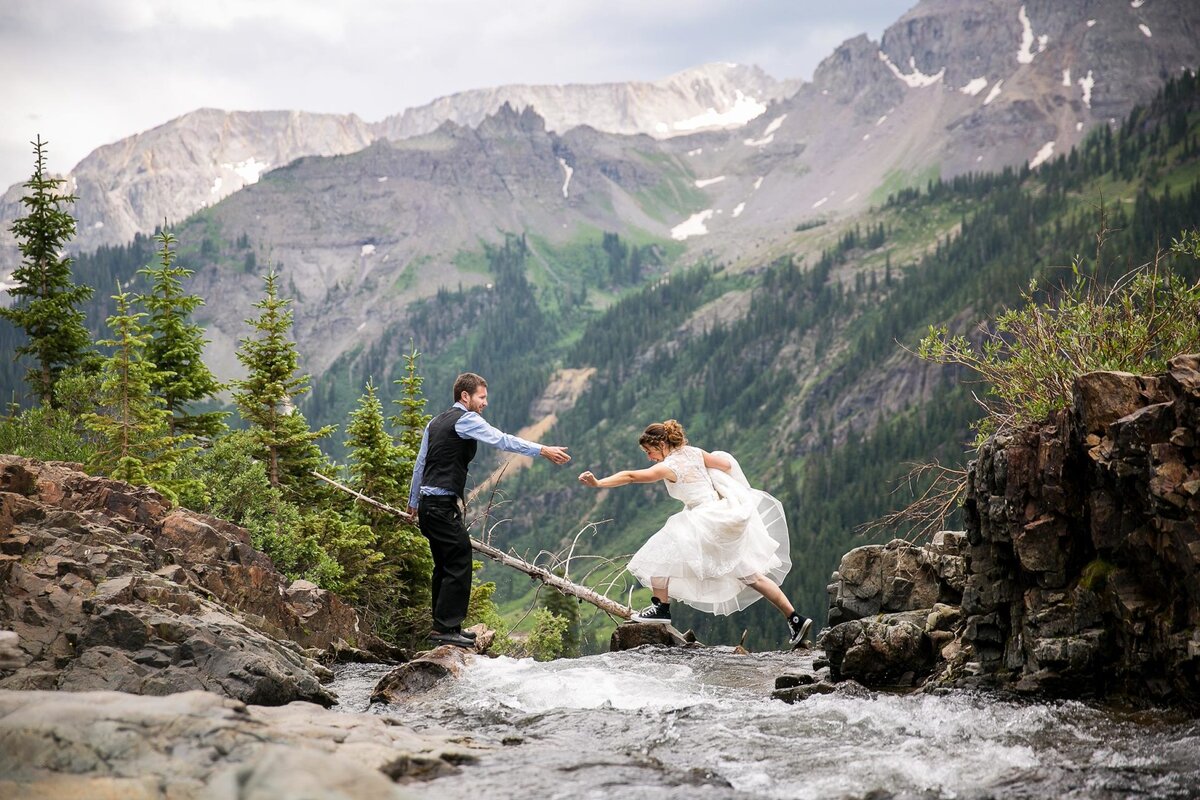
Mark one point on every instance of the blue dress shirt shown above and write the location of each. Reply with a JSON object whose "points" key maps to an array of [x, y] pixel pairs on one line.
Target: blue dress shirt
{"points": [[469, 426]]}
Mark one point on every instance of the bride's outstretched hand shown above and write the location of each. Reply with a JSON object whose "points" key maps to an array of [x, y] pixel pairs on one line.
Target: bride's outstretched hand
{"points": [[588, 479]]}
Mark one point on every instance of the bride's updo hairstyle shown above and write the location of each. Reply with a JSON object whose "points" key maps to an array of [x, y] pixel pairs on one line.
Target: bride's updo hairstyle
{"points": [[667, 434]]}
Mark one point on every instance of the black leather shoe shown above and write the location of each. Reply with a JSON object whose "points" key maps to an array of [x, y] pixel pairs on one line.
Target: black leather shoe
{"points": [[469, 634], [452, 637]]}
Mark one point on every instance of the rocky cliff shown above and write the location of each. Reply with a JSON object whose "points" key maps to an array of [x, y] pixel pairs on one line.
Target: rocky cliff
{"points": [[1078, 574], [106, 588]]}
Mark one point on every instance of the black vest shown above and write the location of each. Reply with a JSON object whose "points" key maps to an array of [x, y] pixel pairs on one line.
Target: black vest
{"points": [[447, 455]]}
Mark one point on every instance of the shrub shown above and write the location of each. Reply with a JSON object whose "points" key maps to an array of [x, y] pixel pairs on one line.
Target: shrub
{"points": [[44, 433], [1033, 354]]}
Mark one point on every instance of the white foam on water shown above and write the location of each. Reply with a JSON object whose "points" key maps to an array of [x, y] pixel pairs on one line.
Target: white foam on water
{"points": [[597, 682]]}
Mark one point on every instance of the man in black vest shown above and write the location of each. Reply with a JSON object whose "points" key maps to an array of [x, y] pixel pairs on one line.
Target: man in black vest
{"points": [[439, 491]]}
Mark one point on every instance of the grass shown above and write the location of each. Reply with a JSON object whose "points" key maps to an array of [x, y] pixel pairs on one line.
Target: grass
{"points": [[898, 179]]}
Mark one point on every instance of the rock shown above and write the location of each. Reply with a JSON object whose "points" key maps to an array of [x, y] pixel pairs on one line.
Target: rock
{"points": [[899, 576], [629, 635], [59, 745], [1102, 398], [422, 673], [892, 651], [106, 589], [1083, 563]]}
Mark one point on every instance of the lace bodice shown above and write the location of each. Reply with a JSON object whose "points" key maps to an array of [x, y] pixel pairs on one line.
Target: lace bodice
{"points": [[692, 484]]}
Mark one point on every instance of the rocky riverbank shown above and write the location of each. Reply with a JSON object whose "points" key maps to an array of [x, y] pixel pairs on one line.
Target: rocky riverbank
{"points": [[1078, 574], [111, 598]]}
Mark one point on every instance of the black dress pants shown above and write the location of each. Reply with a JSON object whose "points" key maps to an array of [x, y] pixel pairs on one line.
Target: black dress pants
{"points": [[441, 521]]}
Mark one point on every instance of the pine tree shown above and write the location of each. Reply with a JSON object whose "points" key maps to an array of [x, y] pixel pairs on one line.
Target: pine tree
{"points": [[177, 345], [374, 458], [135, 443], [412, 419], [265, 398], [45, 299]]}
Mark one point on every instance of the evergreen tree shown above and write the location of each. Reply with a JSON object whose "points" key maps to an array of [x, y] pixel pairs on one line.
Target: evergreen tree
{"points": [[135, 443], [177, 345], [374, 458], [45, 299], [412, 419], [396, 596], [265, 398]]}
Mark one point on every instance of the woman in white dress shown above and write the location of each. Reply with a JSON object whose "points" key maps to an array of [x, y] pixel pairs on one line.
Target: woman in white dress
{"points": [[724, 550]]}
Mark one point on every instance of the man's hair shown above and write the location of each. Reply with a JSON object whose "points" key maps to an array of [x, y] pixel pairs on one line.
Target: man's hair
{"points": [[468, 382]]}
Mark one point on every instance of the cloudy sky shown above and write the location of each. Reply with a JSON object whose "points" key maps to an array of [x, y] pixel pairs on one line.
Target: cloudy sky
{"points": [[82, 73]]}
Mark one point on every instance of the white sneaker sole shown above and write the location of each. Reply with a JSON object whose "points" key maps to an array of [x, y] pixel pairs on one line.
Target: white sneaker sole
{"points": [[645, 621]]}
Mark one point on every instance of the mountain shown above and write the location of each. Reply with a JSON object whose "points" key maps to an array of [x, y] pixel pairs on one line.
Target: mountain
{"points": [[710, 97], [171, 171], [952, 88], [198, 159], [753, 283]]}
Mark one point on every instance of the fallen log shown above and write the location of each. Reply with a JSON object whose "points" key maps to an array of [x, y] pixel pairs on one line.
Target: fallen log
{"points": [[507, 559]]}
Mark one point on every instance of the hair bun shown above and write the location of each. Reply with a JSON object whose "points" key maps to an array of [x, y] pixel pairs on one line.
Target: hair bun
{"points": [[674, 432]]}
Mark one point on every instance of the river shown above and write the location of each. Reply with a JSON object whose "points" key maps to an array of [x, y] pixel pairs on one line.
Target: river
{"points": [[701, 723]]}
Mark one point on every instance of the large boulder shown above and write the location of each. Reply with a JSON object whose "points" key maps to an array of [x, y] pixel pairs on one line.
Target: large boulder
{"points": [[891, 650], [198, 746], [106, 588]]}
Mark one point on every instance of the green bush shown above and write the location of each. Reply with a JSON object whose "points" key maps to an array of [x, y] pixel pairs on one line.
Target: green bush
{"points": [[44, 433], [546, 640], [1033, 354]]}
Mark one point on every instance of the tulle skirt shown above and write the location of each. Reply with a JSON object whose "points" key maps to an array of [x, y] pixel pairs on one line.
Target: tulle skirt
{"points": [[710, 551]]}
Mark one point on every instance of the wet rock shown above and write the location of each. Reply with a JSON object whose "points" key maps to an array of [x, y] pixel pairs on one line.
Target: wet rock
{"points": [[56, 745], [629, 635], [422, 673], [891, 651]]}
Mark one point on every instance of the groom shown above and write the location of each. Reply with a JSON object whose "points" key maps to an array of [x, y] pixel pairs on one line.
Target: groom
{"points": [[439, 493]]}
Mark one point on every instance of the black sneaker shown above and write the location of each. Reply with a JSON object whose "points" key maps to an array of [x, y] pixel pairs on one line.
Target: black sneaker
{"points": [[455, 638], [657, 611], [798, 626]]}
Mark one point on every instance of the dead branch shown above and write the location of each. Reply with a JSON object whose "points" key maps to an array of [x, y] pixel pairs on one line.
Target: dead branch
{"points": [[927, 514], [538, 573]]}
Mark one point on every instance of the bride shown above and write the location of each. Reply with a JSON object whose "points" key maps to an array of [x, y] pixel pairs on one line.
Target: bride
{"points": [[724, 550]]}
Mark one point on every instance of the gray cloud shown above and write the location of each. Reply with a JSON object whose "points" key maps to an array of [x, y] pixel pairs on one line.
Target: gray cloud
{"points": [[87, 72]]}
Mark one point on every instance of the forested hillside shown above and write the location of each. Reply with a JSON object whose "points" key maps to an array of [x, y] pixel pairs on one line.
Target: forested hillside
{"points": [[797, 364], [769, 385]]}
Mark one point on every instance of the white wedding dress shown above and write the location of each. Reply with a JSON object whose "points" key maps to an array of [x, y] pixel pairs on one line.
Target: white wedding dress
{"points": [[727, 534]]}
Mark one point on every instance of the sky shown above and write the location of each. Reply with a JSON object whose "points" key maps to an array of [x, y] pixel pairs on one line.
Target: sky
{"points": [[83, 73]]}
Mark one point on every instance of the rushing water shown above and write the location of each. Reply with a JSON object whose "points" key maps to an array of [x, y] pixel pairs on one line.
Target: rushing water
{"points": [[700, 723]]}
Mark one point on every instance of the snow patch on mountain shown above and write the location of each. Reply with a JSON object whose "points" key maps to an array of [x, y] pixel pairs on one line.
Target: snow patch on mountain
{"points": [[700, 184], [974, 86], [742, 111], [994, 93], [692, 226], [1086, 84], [915, 79], [567, 171], [249, 170], [1042, 155]]}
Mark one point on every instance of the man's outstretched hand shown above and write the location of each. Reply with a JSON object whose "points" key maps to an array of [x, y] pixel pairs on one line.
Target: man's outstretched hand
{"points": [[556, 454]]}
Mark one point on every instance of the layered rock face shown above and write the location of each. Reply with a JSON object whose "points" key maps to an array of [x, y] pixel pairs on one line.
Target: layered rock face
{"points": [[1084, 558], [1079, 573], [106, 588]]}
